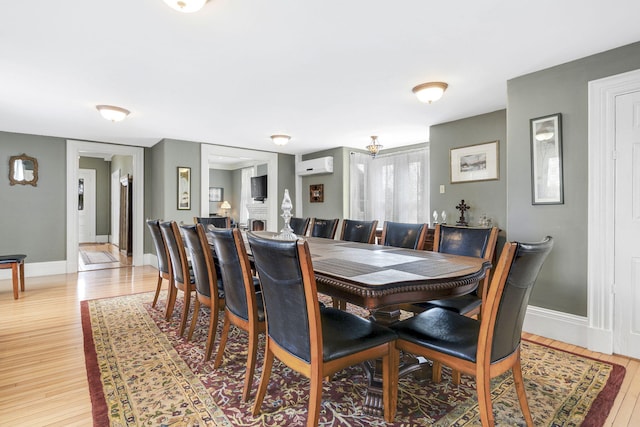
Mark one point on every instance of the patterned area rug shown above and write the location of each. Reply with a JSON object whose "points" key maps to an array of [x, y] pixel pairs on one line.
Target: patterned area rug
{"points": [[97, 257], [141, 373]]}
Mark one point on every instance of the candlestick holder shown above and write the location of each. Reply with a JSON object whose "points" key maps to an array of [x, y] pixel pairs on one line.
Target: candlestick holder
{"points": [[287, 232]]}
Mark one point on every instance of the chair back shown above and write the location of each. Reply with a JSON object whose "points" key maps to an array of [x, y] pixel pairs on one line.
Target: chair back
{"points": [[325, 228], [158, 242], [175, 248], [403, 235], [358, 231], [289, 294], [216, 221], [467, 241], [299, 225], [509, 293], [201, 260], [239, 291]]}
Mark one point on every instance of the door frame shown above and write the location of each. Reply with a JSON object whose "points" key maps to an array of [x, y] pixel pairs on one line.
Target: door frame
{"points": [[115, 208], [75, 149], [89, 202], [601, 206]]}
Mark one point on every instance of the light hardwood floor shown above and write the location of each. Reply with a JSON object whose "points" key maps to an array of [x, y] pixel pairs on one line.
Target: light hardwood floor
{"points": [[42, 370]]}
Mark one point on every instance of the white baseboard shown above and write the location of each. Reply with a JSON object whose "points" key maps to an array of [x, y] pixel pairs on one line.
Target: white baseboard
{"points": [[102, 238], [151, 259], [34, 269], [557, 325]]}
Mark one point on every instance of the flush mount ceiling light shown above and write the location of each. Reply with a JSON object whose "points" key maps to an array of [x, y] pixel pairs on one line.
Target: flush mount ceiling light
{"points": [[429, 92], [113, 113], [280, 139], [374, 147], [186, 6]]}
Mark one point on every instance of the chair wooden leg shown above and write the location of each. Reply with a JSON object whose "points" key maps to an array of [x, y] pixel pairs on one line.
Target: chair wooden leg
{"points": [[194, 319], [22, 276], [14, 274], [264, 380], [158, 286], [185, 311], [211, 335], [390, 383], [455, 377], [483, 388], [436, 373], [315, 398], [171, 301], [522, 395], [251, 362], [223, 340]]}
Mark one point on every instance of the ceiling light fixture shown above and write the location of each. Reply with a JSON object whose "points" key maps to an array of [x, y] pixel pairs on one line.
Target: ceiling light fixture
{"points": [[429, 92], [280, 139], [374, 147], [186, 6], [112, 113]]}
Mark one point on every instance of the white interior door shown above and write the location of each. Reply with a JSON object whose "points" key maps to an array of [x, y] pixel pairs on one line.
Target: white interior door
{"points": [[86, 206], [627, 226], [115, 207]]}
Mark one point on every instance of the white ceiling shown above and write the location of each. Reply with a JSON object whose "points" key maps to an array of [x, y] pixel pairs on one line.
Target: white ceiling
{"points": [[329, 73]]}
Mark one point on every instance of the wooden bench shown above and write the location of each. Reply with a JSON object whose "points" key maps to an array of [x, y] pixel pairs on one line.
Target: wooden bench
{"points": [[13, 262]]}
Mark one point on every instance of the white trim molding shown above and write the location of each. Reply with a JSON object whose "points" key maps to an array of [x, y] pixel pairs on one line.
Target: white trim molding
{"points": [[600, 272], [75, 149], [557, 325], [34, 269]]}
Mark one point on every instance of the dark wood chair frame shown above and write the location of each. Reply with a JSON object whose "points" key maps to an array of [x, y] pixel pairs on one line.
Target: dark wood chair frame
{"points": [[316, 370], [161, 250], [215, 302], [179, 261], [253, 326]]}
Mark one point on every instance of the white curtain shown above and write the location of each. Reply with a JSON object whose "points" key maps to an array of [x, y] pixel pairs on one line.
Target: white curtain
{"points": [[245, 193], [391, 187]]}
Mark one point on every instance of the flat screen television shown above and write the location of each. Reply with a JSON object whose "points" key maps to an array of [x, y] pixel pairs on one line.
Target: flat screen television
{"points": [[259, 188]]}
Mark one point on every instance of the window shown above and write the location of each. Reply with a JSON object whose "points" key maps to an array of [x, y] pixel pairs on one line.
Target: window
{"points": [[392, 187]]}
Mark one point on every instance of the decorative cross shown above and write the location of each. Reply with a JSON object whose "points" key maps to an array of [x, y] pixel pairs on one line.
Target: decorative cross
{"points": [[462, 207]]}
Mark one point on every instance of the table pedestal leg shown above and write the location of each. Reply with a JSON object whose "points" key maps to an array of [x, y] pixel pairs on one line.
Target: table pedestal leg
{"points": [[409, 364]]}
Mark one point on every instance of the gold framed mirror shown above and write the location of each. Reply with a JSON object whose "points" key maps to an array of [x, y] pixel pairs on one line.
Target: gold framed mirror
{"points": [[23, 170]]}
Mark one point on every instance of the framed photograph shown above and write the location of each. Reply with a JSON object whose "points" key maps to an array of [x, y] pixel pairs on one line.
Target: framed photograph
{"points": [[316, 193], [546, 160], [479, 162], [184, 188], [215, 194]]}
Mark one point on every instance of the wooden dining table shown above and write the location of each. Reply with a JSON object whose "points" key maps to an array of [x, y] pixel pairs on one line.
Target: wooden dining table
{"points": [[382, 279]]}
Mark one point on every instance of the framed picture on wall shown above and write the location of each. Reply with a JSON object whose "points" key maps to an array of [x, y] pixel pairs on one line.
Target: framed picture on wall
{"points": [[316, 193], [479, 162], [184, 188], [215, 194], [546, 160]]}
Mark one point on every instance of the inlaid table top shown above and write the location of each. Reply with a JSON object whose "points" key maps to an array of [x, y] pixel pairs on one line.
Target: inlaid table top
{"points": [[374, 276]]}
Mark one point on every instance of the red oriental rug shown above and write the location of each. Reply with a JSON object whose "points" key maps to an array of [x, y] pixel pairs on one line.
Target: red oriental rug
{"points": [[142, 373]]}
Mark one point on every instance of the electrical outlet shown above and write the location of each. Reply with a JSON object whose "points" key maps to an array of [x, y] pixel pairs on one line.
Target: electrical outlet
{"points": [[442, 189]]}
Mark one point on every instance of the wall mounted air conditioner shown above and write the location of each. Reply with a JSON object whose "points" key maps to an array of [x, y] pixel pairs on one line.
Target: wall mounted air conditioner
{"points": [[315, 166]]}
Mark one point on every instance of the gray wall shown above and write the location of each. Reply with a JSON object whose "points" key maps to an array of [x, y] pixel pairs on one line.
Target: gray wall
{"points": [[286, 180], [34, 219], [103, 195], [224, 179], [562, 284], [334, 192], [482, 196]]}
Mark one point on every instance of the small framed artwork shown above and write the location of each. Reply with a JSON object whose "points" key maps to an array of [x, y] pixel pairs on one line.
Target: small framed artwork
{"points": [[546, 160], [215, 194], [479, 162], [184, 188], [316, 193]]}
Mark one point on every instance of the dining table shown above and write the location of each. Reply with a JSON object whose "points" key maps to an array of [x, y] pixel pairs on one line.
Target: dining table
{"points": [[383, 278]]}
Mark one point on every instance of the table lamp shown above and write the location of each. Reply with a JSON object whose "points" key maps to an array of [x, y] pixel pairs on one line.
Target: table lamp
{"points": [[226, 206]]}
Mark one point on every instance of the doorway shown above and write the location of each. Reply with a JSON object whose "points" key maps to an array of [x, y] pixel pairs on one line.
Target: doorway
{"points": [[75, 149], [87, 205], [614, 214]]}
